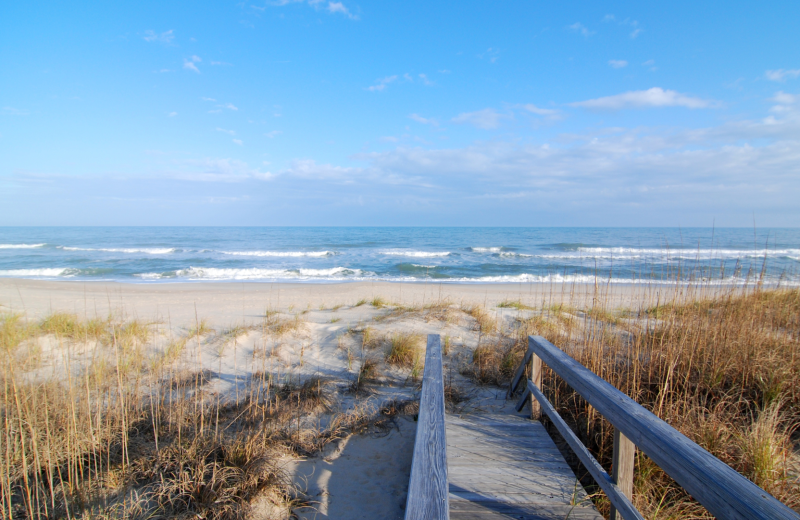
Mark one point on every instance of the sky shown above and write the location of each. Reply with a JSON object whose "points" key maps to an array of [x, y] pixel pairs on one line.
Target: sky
{"points": [[312, 112]]}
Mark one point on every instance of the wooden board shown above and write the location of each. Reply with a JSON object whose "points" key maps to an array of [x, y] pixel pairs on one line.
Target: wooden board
{"points": [[507, 466], [427, 486], [725, 493]]}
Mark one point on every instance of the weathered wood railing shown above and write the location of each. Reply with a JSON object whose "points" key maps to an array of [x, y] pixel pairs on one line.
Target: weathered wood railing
{"points": [[719, 488], [427, 486]]}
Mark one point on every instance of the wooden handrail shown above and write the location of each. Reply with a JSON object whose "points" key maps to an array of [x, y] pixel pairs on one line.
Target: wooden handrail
{"points": [[719, 488], [428, 486]]}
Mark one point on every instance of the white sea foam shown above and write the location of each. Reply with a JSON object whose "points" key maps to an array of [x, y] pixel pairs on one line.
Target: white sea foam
{"points": [[633, 252], [254, 273], [314, 254], [20, 246], [425, 266], [516, 255], [50, 272], [147, 250], [417, 254], [486, 249]]}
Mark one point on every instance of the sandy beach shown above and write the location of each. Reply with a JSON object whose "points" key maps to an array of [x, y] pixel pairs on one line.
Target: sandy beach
{"points": [[225, 302]]}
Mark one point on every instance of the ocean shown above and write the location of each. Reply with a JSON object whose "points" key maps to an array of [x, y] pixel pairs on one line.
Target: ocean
{"points": [[419, 254]]}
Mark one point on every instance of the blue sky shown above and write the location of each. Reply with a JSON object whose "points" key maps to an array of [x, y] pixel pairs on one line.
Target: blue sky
{"points": [[315, 112]]}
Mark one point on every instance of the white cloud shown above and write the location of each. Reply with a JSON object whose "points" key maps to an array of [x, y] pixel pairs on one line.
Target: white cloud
{"points": [[579, 27], [229, 106], [444, 71], [654, 97], [216, 170], [208, 99], [424, 120], [487, 119], [389, 139], [229, 132], [381, 83], [492, 54], [784, 98], [309, 169], [618, 64], [425, 79], [237, 141], [273, 134], [11, 111], [329, 6], [781, 74], [190, 63], [533, 109], [172, 114], [609, 18], [636, 32], [165, 37]]}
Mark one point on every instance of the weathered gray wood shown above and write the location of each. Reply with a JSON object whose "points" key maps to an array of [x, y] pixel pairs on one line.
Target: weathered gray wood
{"points": [[507, 466], [719, 488], [519, 373], [614, 494], [428, 486], [622, 466], [536, 378], [526, 394]]}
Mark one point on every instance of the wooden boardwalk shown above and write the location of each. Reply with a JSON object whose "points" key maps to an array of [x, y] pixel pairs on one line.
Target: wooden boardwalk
{"points": [[507, 466]]}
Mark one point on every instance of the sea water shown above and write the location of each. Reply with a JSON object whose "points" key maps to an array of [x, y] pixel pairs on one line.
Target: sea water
{"points": [[455, 255]]}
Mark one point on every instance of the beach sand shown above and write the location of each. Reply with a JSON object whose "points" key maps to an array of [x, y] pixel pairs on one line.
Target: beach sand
{"points": [[224, 302]]}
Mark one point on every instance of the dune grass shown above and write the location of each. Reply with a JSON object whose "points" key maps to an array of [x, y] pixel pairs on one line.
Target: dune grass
{"points": [[120, 431], [722, 368]]}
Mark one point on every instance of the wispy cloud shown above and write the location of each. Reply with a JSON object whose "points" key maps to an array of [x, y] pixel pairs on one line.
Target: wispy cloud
{"points": [[618, 64], [424, 120], [229, 132], [425, 79], [216, 170], [492, 54], [486, 119], [580, 28], [165, 37], [651, 98], [208, 99], [189, 64], [273, 134], [533, 109], [781, 75], [381, 83], [11, 111], [237, 142], [321, 5], [172, 114]]}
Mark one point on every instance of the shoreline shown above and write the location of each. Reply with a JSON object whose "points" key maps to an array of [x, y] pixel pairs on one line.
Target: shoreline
{"points": [[225, 302]]}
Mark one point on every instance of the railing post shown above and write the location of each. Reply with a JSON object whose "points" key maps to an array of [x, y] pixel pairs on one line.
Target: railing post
{"points": [[536, 379], [622, 467]]}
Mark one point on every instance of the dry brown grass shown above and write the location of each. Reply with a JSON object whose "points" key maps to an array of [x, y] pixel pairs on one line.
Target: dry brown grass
{"points": [[723, 370], [405, 349], [128, 434]]}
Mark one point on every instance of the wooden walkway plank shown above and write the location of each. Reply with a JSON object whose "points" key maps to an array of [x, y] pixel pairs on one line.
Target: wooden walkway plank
{"points": [[507, 466]]}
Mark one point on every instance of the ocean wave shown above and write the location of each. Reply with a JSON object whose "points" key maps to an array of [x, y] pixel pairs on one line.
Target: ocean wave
{"points": [[255, 273], [688, 253], [147, 250], [516, 255], [417, 254], [20, 246], [48, 272], [488, 249], [314, 254]]}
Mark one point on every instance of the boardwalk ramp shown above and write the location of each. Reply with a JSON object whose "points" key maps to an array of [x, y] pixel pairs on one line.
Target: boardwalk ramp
{"points": [[507, 466]]}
